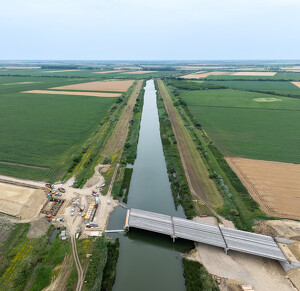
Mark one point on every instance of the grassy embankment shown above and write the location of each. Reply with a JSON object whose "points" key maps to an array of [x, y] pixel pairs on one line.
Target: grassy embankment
{"points": [[197, 278], [19, 258], [91, 156], [177, 178], [122, 182], [100, 266], [203, 190], [238, 205]]}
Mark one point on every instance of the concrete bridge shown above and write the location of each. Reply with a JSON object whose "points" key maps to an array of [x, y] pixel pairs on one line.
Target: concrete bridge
{"points": [[219, 236]]}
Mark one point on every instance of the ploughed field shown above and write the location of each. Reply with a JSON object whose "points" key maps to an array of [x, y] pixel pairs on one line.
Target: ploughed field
{"points": [[44, 130]]}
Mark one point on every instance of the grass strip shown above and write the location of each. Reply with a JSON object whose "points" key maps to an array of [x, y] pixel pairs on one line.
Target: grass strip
{"points": [[179, 185], [109, 272]]}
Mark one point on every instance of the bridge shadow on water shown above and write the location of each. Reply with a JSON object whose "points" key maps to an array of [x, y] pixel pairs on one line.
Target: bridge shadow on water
{"points": [[117, 220], [161, 240]]}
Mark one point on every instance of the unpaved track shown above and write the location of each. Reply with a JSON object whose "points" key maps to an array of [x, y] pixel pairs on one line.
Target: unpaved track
{"points": [[115, 143], [72, 224], [77, 263], [23, 165], [195, 170]]}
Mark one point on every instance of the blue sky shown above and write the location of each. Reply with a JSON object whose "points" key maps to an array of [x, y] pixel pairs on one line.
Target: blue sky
{"points": [[152, 30]]}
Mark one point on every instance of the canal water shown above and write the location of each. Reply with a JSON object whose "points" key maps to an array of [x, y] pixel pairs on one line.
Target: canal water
{"points": [[149, 261]]}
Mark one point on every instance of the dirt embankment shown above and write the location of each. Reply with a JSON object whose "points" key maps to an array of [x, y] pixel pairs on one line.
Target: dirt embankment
{"points": [[239, 268], [196, 172], [116, 141]]}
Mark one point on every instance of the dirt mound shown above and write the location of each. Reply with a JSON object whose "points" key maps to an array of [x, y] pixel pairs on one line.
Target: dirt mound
{"points": [[33, 205], [38, 228], [282, 228], [20, 201], [294, 276]]}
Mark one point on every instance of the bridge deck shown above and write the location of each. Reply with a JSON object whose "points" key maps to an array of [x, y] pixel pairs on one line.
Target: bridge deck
{"points": [[227, 238]]}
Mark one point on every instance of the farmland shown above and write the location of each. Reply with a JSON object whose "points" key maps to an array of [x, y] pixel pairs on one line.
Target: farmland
{"points": [[277, 192], [257, 127], [276, 87], [241, 126], [41, 129], [40, 132]]}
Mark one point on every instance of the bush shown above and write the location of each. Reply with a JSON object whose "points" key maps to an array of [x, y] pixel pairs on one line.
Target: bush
{"points": [[197, 278]]}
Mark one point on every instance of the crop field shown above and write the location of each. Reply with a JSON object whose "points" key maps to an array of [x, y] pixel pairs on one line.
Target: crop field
{"points": [[288, 76], [44, 130], [296, 84], [83, 75], [274, 185], [139, 72], [74, 93], [258, 74], [110, 85], [246, 124], [276, 87]]}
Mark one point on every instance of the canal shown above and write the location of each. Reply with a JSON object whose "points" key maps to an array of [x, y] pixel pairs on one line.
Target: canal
{"points": [[149, 261]]}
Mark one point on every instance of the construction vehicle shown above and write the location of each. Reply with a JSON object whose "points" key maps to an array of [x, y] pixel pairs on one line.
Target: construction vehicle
{"points": [[49, 216]]}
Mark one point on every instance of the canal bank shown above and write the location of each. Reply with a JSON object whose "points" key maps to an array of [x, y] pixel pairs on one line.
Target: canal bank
{"points": [[149, 261]]}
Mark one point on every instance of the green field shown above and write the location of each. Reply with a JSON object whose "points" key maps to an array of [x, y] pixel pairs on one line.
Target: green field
{"points": [[279, 76], [276, 87], [241, 126], [82, 73], [44, 130]]}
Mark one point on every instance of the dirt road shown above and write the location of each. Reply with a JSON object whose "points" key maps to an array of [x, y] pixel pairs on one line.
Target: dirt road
{"points": [[115, 144], [196, 172]]}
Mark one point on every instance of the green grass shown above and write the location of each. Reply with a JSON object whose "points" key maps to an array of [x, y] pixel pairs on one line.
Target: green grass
{"points": [[94, 274], [20, 255], [197, 277], [54, 255], [109, 272], [240, 126], [179, 185]]}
